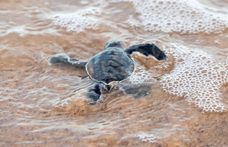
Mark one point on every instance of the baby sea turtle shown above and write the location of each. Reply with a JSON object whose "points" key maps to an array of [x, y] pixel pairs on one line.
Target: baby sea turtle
{"points": [[111, 65]]}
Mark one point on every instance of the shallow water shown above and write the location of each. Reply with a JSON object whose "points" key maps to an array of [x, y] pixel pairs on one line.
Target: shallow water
{"points": [[44, 105]]}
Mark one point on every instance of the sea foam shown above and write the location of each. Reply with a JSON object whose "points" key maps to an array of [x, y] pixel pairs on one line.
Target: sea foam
{"points": [[196, 76], [77, 21], [181, 16]]}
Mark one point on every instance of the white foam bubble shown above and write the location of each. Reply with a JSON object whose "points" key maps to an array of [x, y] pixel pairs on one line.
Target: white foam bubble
{"points": [[183, 16], [77, 21], [140, 75], [147, 137], [196, 76]]}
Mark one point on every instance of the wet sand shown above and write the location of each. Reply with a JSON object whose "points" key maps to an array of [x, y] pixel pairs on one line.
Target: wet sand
{"points": [[44, 105]]}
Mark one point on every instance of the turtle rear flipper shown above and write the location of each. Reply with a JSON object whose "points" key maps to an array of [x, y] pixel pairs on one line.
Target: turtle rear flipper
{"points": [[62, 58], [94, 93]]}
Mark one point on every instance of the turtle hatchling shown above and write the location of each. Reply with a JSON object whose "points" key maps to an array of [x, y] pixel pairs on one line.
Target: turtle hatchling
{"points": [[111, 65]]}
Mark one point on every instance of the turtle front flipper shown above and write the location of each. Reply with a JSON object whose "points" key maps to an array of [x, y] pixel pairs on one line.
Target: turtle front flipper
{"points": [[94, 93], [62, 58], [147, 49], [137, 91]]}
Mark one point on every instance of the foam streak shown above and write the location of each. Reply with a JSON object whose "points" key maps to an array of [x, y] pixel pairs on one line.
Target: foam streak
{"points": [[196, 76]]}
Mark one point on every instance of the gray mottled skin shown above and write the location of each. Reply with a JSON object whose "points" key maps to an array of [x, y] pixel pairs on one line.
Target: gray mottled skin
{"points": [[112, 64]]}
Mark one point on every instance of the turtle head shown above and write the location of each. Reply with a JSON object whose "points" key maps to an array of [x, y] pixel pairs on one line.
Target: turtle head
{"points": [[113, 43]]}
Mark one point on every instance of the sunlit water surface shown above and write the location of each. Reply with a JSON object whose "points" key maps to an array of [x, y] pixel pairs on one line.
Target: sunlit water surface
{"points": [[44, 105]]}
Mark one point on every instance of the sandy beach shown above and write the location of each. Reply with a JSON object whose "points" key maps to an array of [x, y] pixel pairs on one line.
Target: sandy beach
{"points": [[46, 105]]}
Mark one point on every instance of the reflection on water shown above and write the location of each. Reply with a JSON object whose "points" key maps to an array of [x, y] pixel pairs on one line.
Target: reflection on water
{"points": [[46, 105]]}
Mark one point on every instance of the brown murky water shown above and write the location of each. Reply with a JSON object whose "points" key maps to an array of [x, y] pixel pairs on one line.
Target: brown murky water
{"points": [[43, 105]]}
